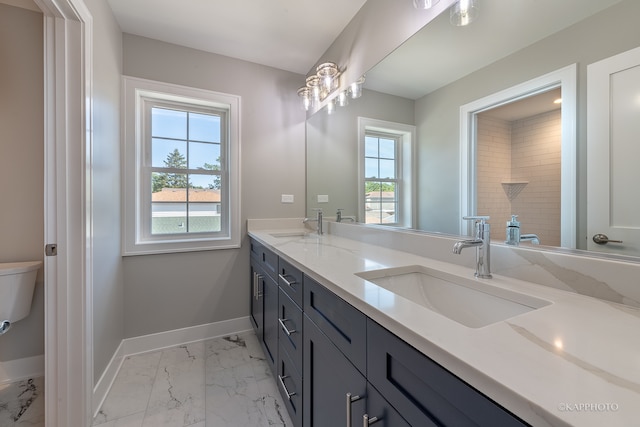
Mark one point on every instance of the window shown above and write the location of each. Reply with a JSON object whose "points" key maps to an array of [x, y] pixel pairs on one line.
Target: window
{"points": [[181, 177], [386, 173], [381, 183]]}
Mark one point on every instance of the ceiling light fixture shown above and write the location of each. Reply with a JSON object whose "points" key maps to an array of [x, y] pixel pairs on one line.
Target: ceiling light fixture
{"points": [[424, 4], [463, 12]]}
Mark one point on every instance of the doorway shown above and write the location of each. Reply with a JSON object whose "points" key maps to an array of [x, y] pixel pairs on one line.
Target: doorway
{"points": [[518, 165], [510, 181]]}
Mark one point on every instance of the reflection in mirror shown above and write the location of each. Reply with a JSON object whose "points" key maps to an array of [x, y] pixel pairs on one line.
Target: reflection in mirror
{"points": [[541, 149], [443, 68], [518, 165], [333, 154]]}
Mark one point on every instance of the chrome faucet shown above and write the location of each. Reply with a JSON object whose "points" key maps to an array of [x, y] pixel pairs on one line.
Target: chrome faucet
{"points": [[533, 238], [318, 220], [513, 233], [340, 217], [482, 243]]}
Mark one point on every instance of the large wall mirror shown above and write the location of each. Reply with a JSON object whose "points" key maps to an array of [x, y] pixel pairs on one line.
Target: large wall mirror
{"points": [[426, 81]]}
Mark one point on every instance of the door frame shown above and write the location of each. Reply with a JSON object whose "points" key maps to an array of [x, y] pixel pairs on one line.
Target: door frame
{"points": [[566, 79], [68, 48]]}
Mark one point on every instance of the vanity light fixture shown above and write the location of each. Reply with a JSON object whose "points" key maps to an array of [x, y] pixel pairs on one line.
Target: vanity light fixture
{"points": [[319, 85], [424, 4], [463, 12], [323, 83]]}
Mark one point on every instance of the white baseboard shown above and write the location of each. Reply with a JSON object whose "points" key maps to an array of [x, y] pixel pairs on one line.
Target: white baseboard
{"points": [[158, 341], [102, 387], [21, 369]]}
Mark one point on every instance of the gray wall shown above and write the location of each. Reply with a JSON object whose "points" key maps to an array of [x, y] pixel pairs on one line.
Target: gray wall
{"points": [[378, 28], [108, 289], [437, 115], [171, 291], [22, 165]]}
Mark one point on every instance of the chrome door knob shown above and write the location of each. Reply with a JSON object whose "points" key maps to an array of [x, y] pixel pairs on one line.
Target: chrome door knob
{"points": [[602, 239]]}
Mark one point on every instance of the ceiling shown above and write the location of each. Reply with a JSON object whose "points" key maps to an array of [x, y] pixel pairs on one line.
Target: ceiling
{"points": [[286, 34]]}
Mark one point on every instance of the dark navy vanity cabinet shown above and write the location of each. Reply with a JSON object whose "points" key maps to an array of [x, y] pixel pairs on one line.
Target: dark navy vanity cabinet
{"points": [[264, 309], [336, 367], [424, 392]]}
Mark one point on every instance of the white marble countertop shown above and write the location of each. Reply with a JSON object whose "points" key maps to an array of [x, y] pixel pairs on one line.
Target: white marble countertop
{"points": [[573, 362]]}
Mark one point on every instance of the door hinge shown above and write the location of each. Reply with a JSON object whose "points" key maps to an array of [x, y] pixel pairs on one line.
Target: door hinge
{"points": [[51, 249]]}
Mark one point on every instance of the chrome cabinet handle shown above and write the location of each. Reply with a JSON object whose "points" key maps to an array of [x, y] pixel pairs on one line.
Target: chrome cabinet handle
{"points": [[602, 239], [366, 421], [283, 277], [256, 286], [350, 399], [284, 387], [284, 327]]}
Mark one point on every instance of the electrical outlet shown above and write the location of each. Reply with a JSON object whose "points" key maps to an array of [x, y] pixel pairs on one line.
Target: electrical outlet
{"points": [[323, 198], [287, 198]]}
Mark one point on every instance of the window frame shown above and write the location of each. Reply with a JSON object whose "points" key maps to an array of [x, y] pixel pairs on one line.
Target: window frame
{"points": [[139, 97], [405, 169]]}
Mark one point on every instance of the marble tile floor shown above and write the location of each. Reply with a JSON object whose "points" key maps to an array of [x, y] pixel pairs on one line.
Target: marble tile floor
{"points": [[215, 383], [22, 403]]}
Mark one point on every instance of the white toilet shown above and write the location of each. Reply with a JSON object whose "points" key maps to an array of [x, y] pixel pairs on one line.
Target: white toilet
{"points": [[17, 282]]}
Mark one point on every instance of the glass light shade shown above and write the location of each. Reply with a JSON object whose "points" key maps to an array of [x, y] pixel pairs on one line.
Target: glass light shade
{"points": [[342, 100], [424, 4], [356, 88], [331, 107], [328, 73], [463, 12], [313, 83], [305, 96]]}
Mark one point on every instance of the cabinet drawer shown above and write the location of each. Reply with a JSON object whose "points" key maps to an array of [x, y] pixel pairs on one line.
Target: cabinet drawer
{"points": [[290, 332], [290, 280], [289, 382], [267, 259], [424, 392], [342, 323]]}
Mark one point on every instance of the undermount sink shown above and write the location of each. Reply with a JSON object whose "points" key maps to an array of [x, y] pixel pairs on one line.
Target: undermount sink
{"points": [[292, 233], [468, 301]]}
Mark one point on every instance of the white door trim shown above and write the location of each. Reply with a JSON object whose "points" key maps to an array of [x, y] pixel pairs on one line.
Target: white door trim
{"points": [[68, 217], [566, 78]]}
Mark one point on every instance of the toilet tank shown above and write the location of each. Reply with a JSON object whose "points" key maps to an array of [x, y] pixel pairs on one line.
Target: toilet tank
{"points": [[17, 282]]}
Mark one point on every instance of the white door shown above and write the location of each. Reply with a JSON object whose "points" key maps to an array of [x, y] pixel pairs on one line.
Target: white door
{"points": [[613, 154]]}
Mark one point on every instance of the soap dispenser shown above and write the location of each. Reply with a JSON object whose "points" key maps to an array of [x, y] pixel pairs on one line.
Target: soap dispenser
{"points": [[513, 231]]}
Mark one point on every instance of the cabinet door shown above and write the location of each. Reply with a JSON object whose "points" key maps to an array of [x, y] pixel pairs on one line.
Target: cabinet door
{"points": [[341, 322], [257, 303], [381, 413], [424, 392], [271, 325], [328, 377]]}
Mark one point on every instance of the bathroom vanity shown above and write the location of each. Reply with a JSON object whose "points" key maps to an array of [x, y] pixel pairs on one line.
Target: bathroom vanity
{"points": [[348, 348]]}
